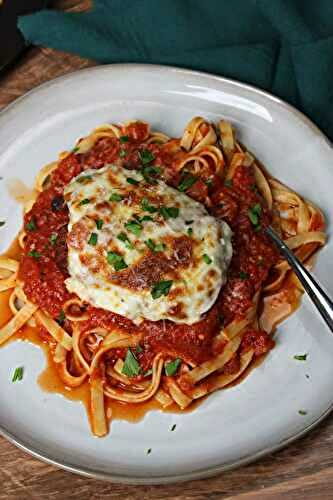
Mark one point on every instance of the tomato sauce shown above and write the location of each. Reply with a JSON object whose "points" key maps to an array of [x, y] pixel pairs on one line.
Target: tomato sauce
{"points": [[43, 266]]}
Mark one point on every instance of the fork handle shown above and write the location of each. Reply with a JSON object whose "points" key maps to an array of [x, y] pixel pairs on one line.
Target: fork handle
{"points": [[320, 299]]}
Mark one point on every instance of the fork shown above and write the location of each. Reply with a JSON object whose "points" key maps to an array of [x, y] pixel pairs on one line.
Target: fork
{"points": [[320, 299]]}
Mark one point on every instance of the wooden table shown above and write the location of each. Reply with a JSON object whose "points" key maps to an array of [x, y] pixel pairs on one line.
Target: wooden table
{"points": [[304, 470]]}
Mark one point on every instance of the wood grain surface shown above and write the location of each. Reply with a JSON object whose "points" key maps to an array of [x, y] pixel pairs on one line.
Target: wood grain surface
{"points": [[302, 471]]}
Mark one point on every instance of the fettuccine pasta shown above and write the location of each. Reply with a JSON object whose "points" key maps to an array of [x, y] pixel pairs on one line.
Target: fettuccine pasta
{"points": [[158, 352]]}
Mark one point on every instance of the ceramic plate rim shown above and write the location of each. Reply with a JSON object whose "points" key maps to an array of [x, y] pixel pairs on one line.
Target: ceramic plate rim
{"points": [[209, 471]]}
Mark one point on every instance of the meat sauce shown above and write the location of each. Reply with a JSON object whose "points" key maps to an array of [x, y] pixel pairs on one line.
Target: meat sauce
{"points": [[43, 266]]}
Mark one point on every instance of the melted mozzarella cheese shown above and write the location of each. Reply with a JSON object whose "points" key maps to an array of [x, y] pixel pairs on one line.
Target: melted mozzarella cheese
{"points": [[141, 250]]}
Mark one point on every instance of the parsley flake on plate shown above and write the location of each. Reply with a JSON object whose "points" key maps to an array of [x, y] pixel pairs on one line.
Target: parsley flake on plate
{"points": [[301, 357], [18, 374]]}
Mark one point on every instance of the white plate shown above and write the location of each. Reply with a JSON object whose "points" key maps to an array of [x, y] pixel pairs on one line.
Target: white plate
{"points": [[231, 427]]}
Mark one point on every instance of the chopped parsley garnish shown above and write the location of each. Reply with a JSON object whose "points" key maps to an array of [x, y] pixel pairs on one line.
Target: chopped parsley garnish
{"points": [[148, 171], [254, 215], [161, 288], [243, 276], [124, 238], [53, 238], [171, 368], [134, 226], [99, 223], [123, 138], [122, 153], [187, 180], [159, 247], [145, 205], [34, 254], [85, 201], [31, 226], [146, 156], [145, 218], [301, 357], [18, 374], [116, 260], [150, 244], [302, 412], [209, 183], [148, 451], [138, 349], [131, 366], [93, 239], [228, 183], [190, 231], [84, 178], [188, 222], [169, 212], [74, 150], [130, 180], [61, 318], [206, 259], [173, 427], [115, 197]]}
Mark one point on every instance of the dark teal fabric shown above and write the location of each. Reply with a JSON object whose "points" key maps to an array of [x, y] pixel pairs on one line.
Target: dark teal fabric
{"points": [[283, 46]]}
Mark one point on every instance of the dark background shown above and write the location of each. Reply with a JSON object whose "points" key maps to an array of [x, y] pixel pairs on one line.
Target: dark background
{"points": [[11, 41]]}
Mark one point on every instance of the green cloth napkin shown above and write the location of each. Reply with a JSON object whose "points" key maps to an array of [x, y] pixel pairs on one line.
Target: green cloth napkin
{"points": [[283, 46]]}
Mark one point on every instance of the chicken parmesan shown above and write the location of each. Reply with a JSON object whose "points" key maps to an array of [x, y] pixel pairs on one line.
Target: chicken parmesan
{"points": [[145, 268], [142, 249]]}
